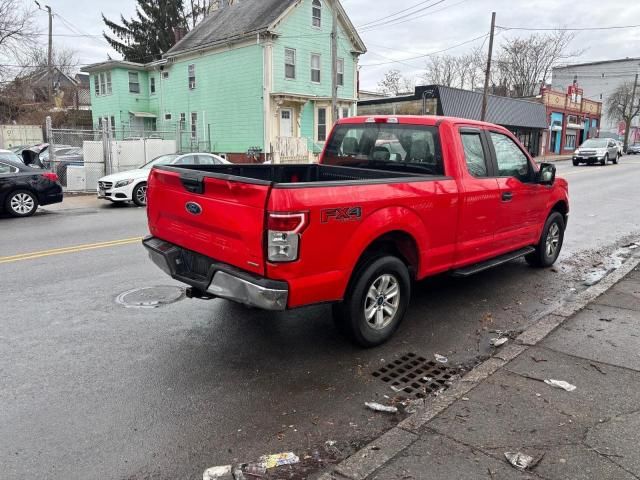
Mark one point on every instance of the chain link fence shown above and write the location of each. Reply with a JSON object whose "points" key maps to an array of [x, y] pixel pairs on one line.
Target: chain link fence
{"points": [[81, 157]]}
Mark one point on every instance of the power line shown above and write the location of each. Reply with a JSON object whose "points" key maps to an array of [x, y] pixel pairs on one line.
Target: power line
{"points": [[388, 17], [428, 54], [563, 29], [373, 27]]}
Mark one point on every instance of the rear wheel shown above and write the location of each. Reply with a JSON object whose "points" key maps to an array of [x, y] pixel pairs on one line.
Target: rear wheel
{"points": [[376, 301], [615, 160], [550, 243], [605, 159], [21, 203], [576, 163], [140, 194]]}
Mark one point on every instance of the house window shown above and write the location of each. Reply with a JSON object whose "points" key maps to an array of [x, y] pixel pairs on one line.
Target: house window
{"points": [[167, 116], [113, 124], [194, 125], [316, 14], [315, 68], [152, 85], [344, 112], [134, 83], [322, 124], [290, 63], [183, 121], [165, 75], [96, 81], [340, 70], [192, 76], [103, 84]]}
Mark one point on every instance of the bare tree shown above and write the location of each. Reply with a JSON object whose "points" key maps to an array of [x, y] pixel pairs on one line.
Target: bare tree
{"points": [[524, 64], [624, 106], [395, 83], [64, 59], [17, 29], [465, 71]]}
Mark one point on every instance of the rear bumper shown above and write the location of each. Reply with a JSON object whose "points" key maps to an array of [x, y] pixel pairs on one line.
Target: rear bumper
{"points": [[216, 278]]}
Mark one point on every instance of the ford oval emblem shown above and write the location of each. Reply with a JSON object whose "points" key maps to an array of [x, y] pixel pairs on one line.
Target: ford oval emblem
{"points": [[193, 208]]}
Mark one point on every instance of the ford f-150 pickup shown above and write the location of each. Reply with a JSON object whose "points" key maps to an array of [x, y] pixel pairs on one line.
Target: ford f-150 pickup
{"points": [[392, 200]]}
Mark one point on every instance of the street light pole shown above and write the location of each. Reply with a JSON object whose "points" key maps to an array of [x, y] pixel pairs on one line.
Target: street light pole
{"points": [[49, 50]]}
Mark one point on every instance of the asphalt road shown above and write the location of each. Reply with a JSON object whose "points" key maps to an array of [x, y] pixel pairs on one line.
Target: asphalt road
{"points": [[91, 389]]}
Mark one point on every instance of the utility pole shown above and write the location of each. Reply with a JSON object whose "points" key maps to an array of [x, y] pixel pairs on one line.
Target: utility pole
{"points": [[334, 62], [49, 50], [483, 113], [627, 130]]}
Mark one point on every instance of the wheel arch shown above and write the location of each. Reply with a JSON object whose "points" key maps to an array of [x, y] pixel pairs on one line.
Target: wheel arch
{"points": [[561, 207]]}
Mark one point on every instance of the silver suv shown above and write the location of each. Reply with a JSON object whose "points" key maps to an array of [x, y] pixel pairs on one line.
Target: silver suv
{"points": [[597, 150]]}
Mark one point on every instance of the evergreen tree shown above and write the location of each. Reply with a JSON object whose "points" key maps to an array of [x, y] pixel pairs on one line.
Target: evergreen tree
{"points": [[150, 33]]}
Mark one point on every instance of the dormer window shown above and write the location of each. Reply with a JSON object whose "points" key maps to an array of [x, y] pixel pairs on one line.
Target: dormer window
{"points": [[316, 14]]}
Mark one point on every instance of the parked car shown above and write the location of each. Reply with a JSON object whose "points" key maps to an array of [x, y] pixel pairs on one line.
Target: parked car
{"points": [[131, 186], [633, 149], [10, 155], [355, 230], [597, 150], [23, 188]]}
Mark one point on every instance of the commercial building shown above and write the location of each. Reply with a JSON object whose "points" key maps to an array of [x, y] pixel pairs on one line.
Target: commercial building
{"points": [[572, 119], [599, 80], [526, 119]]}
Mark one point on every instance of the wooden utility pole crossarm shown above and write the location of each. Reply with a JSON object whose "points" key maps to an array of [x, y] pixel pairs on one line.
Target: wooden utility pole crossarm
{"points": [[483, 114]]}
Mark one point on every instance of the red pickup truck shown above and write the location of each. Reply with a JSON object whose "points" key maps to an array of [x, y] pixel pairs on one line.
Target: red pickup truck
{"points": [[392, 200]]}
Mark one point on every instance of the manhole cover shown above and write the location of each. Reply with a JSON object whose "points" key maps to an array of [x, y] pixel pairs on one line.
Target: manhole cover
{"points": [[415, 376], [150, 297]]}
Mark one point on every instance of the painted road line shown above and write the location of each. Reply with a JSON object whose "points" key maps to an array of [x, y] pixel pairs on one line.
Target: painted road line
{"points": [[72, 249]]}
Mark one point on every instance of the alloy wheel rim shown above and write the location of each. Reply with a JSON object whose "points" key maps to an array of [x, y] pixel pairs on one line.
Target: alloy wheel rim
{"points": [[382, 301], [553, 239], [22, 203], [141, 194]]}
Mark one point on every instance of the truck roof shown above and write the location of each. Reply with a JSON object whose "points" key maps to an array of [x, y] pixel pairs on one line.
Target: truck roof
{"points": [[428, 120]]}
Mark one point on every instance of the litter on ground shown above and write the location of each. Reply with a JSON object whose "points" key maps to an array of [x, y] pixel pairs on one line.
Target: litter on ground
{"points": [[279, 459], [215, 473], [441, 358], [561, 384], [519, 460], [499, 341], [380, 408]]}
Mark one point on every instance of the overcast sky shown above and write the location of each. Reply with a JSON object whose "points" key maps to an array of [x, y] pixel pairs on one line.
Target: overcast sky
{"points": [[415, 31]]}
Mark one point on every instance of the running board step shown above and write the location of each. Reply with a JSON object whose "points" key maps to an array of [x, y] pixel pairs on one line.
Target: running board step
{"points": [[493, 262]]}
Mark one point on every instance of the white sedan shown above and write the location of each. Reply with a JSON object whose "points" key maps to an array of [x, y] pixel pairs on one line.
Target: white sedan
{"points": [[131, 186]]}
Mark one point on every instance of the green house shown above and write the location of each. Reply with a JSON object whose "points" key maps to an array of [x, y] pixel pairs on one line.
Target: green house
{"points": [[255, 74]]}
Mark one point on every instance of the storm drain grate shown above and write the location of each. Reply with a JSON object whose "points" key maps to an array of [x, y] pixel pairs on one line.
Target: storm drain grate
{"points": [[416, 376]]}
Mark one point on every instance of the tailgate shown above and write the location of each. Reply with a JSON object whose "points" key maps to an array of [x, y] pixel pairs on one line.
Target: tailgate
{"points": [[217, 217]]}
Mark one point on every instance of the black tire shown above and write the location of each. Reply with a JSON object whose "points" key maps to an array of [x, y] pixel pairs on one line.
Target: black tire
{"points": [[576, 163], [604, 160], [617, 159], [21, 203], [139, 194], [350, 314], [541, 258]]}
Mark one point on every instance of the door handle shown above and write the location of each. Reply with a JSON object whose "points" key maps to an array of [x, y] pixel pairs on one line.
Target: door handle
{"points": [[507, 196]]}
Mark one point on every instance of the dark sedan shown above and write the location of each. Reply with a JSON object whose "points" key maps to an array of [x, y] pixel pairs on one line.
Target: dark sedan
{"points": [[23, 188]]}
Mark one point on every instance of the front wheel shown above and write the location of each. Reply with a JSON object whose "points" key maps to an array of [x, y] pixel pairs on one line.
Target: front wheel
{"points": [[140, 194], [550, 243], [376, 301], [576, 163], [21, 204], [617, 159], [604, 160]]}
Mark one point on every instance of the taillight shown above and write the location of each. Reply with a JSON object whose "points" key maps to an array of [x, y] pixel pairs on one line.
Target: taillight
{"points": [[51, 176], [283, 236]]}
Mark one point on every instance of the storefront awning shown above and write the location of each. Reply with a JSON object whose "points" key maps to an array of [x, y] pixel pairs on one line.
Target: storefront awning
{"points": [[143, 114]]}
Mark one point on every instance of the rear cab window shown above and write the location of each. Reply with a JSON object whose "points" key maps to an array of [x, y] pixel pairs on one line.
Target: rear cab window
{"points": [[474, 153], [388, 146]]}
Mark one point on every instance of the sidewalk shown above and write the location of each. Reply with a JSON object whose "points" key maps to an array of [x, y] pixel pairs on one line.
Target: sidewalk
{"points": [[504, 405]]}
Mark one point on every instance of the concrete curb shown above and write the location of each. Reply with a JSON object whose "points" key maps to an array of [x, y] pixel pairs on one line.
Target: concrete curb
{"points": [[372, 457]]}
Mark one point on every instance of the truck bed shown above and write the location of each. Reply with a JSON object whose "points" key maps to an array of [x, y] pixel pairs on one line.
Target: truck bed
{"points": [[293, 174]]}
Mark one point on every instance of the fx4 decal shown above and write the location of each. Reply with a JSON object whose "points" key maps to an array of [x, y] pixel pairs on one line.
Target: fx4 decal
{"points": [[346, 214]]}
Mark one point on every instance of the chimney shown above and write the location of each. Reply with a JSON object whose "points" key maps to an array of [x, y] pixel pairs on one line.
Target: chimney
{"points": [[179, 33]]}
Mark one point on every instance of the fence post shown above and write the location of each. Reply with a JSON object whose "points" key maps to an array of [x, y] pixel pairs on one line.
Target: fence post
{"points": [[106, 148]]}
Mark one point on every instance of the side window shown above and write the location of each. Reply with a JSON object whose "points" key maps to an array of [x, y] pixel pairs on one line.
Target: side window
{"points": [[206, 160], [474, 154], [186, 160], [4, 168], [511, 161]]}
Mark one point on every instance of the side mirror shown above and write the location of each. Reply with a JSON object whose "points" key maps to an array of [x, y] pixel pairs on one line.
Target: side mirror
{"points": [[547, 174]]}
